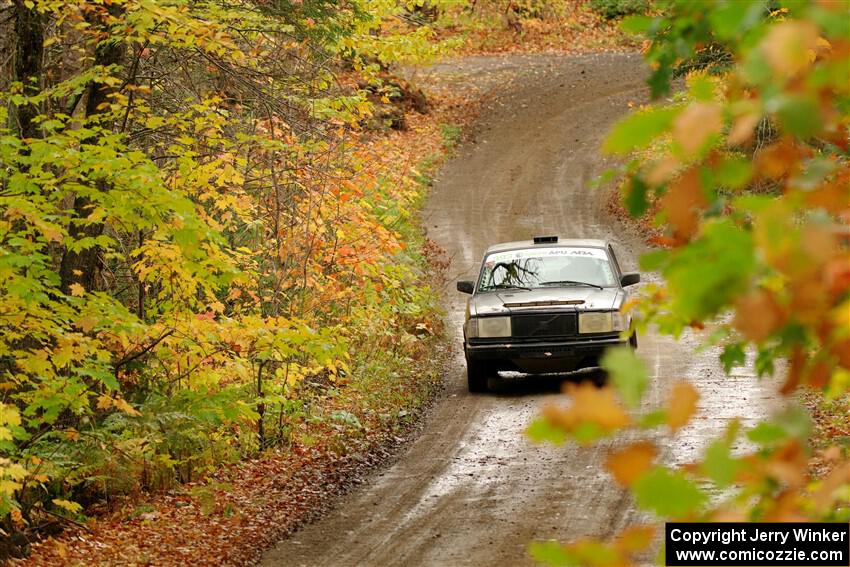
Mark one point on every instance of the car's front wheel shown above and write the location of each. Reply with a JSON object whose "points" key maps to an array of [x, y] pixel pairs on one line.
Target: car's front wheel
{"points": [[599, 377], [477, 374]]}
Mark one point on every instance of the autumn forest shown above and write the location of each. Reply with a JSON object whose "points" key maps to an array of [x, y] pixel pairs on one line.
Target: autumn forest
{"points": [[220, 303]]}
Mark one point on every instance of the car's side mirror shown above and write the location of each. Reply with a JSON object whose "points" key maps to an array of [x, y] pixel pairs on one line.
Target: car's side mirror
{"points": [[465, 287], [629, 279]]}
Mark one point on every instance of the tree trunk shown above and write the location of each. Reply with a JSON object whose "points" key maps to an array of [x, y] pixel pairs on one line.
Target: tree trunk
{"points": [[29, 34], [80, 267], [261, 410]]}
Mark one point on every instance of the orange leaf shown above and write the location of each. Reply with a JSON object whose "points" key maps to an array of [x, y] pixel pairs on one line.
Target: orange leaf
{"points": [[104, 402], [696, 124], [818, 375], [828, 489], [834, 195], [590, 404], [838, 276], [663, 241], [662, 170], [683, 202], [629, 464], [795, 370], [758, 314], [779, 158], [788, 465], [788, 46], [743, 129], [682, 404], [635, 538]]}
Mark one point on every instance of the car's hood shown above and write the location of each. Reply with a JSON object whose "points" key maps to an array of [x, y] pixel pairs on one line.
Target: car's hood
{"points": [[548, 299]]}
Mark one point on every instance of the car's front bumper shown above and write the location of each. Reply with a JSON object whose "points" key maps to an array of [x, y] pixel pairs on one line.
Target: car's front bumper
{"points": [[540, 356]]}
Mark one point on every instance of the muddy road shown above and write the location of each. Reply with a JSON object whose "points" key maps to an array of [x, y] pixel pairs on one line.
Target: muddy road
{"points": [[472, 490]]}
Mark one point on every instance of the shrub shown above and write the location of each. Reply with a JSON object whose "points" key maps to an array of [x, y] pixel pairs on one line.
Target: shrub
{"points": [[610, 9]]}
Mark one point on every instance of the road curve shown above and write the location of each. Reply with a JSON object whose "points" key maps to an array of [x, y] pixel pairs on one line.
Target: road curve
{"points": [[472, 490]]}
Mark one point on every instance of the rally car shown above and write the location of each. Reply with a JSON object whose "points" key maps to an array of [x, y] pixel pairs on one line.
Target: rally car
{"points": [[543, 306]]}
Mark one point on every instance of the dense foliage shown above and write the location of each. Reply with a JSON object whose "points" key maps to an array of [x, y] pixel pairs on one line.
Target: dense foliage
{"points": [[194, 237], [618, 8], [747, 172]]}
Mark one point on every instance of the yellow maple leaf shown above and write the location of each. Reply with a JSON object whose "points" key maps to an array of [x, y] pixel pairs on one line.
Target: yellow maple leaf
{"points": [[86, 323], [122, 405], [77, 290], [72, 507]]}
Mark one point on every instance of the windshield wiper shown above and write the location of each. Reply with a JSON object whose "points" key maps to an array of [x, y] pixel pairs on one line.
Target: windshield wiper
{"points": [[570, 282], [507, 286]]}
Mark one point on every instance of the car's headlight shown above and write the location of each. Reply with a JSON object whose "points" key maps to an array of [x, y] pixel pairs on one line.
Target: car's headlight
{"points": [[600, 322], [620, 321], [488, 327]]}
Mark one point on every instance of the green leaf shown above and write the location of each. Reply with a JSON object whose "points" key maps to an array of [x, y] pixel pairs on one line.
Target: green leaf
{"points": [[718, 464], [731, 17], [766, 433], [551, 553], [654, 261], [637, 25], [793, 423], [733, 355], [628, 374], [733, 172], [653, 419], [707, 275], [586, 432], [639, 130], [764, 362], [799, 115], [635, 200], [702, 88], [668, 494], [541, 430]]}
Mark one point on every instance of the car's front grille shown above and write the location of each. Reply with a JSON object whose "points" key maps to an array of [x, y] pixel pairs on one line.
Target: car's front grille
{"points": [[544, 325]]}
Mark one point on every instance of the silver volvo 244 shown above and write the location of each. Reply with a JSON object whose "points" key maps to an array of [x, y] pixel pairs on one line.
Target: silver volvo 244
{"points": [[545, 305]]}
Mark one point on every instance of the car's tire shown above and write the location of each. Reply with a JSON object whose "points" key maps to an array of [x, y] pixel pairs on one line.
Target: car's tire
{"points": [[599, 378], [633, 341], [477, 374]]}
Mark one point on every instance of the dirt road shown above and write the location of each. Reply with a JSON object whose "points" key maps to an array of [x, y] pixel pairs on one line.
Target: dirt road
{"points": [[472, 490]]}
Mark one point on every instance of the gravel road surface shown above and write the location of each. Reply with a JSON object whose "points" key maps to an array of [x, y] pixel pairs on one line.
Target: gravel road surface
{"points": [[472, 490]]}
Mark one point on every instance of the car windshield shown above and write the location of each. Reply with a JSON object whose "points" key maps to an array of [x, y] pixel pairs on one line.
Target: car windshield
{"points": [[546, 267]]}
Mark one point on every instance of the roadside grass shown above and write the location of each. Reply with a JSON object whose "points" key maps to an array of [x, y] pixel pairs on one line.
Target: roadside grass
{"points": [[451, 134]]}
